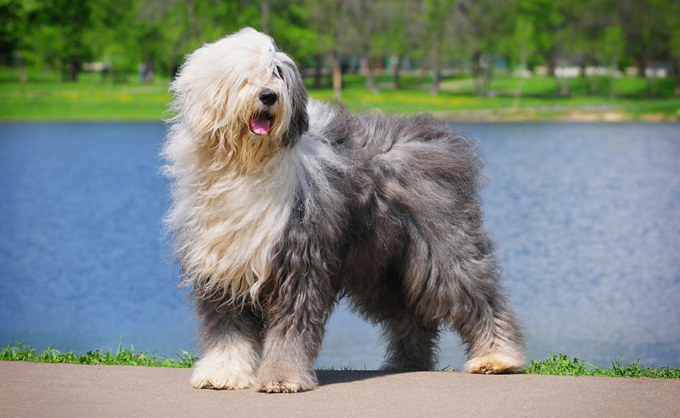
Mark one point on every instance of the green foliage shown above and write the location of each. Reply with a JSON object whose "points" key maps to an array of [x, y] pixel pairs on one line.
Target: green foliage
{"points": [[523, 43], [562, 365], [476, 35], [613, 44], [10, 25], [121, 357]]}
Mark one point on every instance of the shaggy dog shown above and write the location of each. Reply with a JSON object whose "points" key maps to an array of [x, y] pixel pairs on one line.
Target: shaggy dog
{"points": [[283, 205]]}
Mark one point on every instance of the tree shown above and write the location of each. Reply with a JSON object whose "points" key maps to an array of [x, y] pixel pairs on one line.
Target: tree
{"points": [[366, 37], [674, 48], [330, 19], [11, 28], [404, 32], [612, 48], [545, 18], [16, 17], [441, 19], [524, 47], [491, 24], [289, 24], [71, 19]]}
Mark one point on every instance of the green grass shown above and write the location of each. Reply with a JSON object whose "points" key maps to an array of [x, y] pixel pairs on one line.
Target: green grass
{"points": [[46, 97], [558, 365], [121, 357], [91, 98], [561, 365]]}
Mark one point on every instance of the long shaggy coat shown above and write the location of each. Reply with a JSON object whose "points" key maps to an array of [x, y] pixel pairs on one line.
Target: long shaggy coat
{"points": [[282, 205]]}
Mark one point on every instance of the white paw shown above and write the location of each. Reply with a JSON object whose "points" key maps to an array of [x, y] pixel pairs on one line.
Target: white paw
{"points": [[279, 387], [227, 369], [494, 363], [272, 379]]}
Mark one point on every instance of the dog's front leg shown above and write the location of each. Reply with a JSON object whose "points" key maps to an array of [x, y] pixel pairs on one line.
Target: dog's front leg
{"points": [[294, 332], [230, 341]]}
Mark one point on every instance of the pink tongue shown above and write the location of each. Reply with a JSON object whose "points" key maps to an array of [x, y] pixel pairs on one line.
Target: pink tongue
{"points": [[260, 125]]}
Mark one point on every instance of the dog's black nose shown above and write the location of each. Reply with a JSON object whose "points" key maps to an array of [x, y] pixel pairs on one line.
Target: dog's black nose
{"points": [[268, 97]]}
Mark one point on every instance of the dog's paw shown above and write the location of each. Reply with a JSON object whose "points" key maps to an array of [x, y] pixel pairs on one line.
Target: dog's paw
{"points": [[223, 376], [228, 369], [285, 382], [279, 387], [494, 363]]}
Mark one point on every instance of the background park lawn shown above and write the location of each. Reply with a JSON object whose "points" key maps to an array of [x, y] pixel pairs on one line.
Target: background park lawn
{"points": [[93, 97]]}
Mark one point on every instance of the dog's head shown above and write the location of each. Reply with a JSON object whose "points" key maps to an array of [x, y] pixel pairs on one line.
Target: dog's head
{"points": [[243, 96]]}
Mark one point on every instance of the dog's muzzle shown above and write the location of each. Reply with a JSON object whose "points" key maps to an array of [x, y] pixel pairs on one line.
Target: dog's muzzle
{"points": [[262, 121], [268, 97]]}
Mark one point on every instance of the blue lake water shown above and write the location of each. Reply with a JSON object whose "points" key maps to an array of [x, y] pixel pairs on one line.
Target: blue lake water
{"points": [[586, 218]]}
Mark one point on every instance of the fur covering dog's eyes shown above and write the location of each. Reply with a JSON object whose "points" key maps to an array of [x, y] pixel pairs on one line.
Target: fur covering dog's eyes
{"points": [[278, 73]]}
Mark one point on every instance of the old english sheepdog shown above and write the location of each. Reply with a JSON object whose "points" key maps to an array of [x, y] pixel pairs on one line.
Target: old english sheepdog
{"points": [[282, 205]]}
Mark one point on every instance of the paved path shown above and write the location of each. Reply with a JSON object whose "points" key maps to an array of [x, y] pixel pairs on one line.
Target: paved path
{"points": [[61, 390]]}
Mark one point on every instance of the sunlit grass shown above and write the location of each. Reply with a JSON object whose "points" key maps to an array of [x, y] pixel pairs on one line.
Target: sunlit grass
{"points": [[562, 365], [121, 357], [93, 97]]}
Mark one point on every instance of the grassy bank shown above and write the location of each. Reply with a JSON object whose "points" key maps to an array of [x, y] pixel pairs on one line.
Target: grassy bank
{"points": [[121, 357], [559, 365], [95, 98]]}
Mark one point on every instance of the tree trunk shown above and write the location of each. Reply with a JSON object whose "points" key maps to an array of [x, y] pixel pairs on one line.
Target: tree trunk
{"points": [[74, 69], [477, 71], [191, 12], [518, 94], [489, 73], [23, 75], [396, 73], [317, 72], [436, 72], [552, 65], [562, 81], [612, 79], [648, 80], [676, 72], [336, 67], [563, 86], [264, 10], [643, 69], [150, 68], [370, 75]]}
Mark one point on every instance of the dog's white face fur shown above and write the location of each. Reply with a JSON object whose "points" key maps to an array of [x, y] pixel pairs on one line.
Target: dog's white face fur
{"points": [[219, 95], [235, 159]]}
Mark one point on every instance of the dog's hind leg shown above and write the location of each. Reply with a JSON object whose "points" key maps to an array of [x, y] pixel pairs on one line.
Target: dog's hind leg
{"points": [[230, 343], [460, 285], [411, 343], [494, 336]]}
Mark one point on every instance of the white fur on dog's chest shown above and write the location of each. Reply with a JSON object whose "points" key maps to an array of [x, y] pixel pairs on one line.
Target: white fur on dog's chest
{"points": [[240, 218], [227, 222]]}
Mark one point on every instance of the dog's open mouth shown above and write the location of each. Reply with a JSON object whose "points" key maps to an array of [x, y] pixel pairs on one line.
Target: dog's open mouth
{"points": [[261, 123]]}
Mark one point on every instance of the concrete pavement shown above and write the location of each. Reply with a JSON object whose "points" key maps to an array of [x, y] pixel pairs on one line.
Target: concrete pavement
{"points": [[62, 390]]}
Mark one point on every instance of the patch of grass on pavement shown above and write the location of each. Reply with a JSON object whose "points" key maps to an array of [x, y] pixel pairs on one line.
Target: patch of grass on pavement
{"points": [[121, 357], [562, 365]]}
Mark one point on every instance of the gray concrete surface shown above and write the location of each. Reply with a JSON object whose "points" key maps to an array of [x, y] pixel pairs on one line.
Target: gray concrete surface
{"points": [[61, 390]]}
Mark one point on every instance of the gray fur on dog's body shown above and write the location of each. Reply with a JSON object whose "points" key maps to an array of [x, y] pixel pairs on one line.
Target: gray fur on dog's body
{"points": [[385, 212]]}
